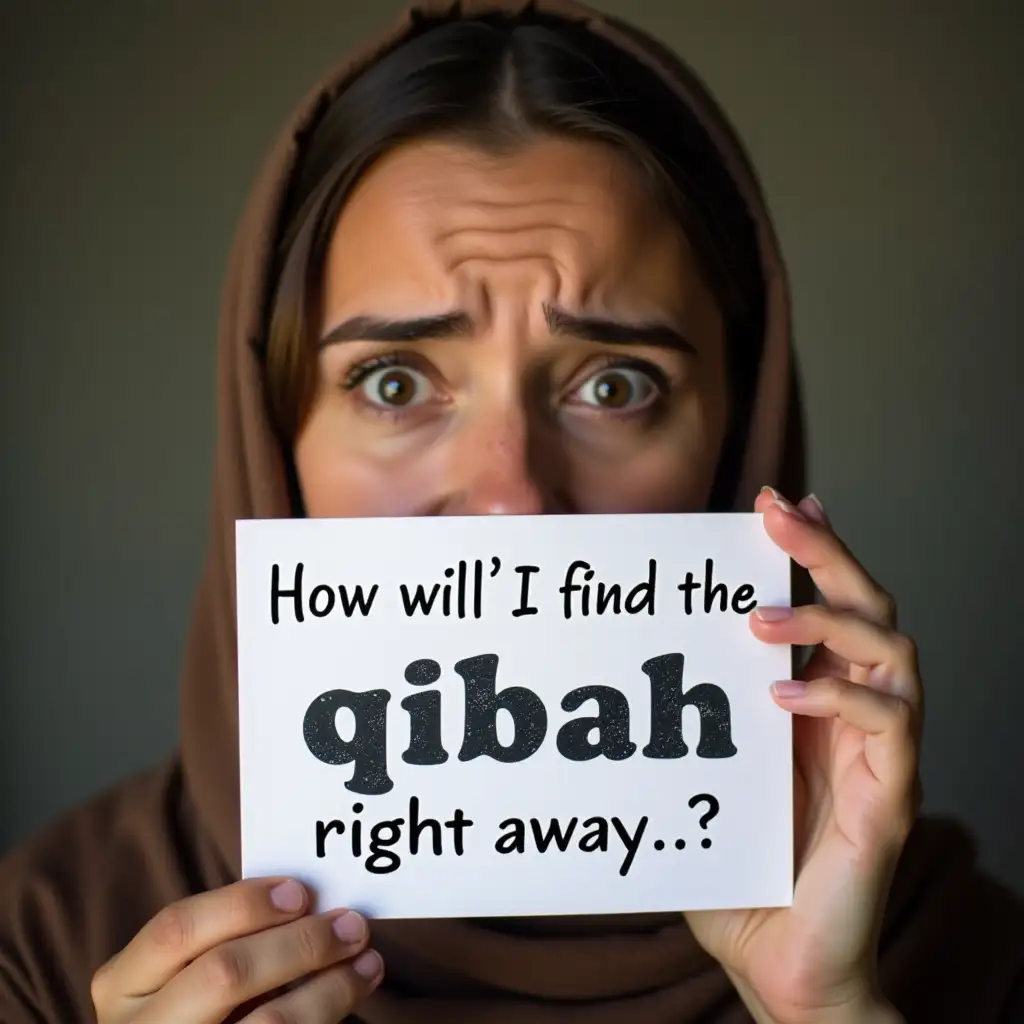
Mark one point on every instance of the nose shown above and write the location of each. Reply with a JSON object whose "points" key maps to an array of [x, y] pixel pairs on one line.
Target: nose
{"points": [[496, 469]]}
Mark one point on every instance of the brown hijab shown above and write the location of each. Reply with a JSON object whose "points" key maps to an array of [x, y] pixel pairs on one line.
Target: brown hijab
{"points": [[953, 947]]}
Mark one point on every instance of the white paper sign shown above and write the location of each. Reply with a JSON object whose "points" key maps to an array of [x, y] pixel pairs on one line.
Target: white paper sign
{"points": [[514, 715]]}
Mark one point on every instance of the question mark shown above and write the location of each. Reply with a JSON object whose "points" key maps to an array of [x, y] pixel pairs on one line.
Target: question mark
{"points": [[713, 808]]}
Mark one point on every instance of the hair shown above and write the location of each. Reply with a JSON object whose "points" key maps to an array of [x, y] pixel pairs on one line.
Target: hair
{"points": [[497, 83]]}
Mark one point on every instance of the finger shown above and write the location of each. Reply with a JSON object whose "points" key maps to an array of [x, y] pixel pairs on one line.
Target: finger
{"points": [[842, 581], [890, 657], [886, 721], [327, 997], [235, 972], [812, 507], [185, 930]]}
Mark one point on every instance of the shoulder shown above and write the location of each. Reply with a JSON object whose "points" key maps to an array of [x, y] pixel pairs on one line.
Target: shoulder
{"points": [[77, 891]]}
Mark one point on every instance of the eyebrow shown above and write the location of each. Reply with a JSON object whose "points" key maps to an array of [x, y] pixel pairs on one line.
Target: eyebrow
{"points": [[657, 334], [421, 328]]}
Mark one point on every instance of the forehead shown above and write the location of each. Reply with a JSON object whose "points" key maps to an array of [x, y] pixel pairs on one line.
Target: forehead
{"points": [[429, 209]]}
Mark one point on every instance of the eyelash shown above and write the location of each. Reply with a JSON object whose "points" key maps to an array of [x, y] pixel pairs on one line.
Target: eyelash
{"points": [[358, 373], [663, 385]]}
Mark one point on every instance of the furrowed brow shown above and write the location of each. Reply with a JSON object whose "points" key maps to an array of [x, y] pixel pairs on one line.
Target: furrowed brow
{"points": [[421, 328], [658, 334]]}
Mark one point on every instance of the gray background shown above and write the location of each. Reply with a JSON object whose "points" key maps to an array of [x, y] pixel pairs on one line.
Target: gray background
{"points": [[888, 138]]}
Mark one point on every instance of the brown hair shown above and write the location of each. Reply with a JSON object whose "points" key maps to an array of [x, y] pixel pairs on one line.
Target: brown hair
{"points": [[496, 82]]}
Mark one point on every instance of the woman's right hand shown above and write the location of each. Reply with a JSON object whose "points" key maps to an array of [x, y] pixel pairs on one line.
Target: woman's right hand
{"points": [[209, 958]]}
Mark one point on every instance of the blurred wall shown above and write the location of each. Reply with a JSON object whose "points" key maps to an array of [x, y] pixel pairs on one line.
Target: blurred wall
{"points": [[888, 138]]}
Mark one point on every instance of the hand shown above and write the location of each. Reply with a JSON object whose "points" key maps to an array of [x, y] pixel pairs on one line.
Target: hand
{"points": [[212, 957], [856, 730]]}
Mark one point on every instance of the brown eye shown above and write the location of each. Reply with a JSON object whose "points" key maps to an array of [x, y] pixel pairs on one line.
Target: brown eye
{"points": [[396, 387], [617, 389]]}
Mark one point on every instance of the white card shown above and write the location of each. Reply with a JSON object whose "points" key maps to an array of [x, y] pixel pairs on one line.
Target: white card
{"points": [[613, 750]]}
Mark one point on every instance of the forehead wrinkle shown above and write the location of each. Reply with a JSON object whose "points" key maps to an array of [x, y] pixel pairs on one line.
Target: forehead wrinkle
{"points": [[586, 268], [443, 235], [571, 265], [516, 204], [586, 223], [513, 242], [564, 279]]}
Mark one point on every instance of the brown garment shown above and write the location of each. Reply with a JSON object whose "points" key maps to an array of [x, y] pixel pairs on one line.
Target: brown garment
{"points": [[953, 948]]}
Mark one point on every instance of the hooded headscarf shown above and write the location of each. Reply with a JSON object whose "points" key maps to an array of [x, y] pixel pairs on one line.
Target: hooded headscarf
{"points": [[953, 946]]}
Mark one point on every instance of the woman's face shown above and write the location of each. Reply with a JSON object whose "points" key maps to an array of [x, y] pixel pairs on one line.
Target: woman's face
{"points": [[511, 335]]}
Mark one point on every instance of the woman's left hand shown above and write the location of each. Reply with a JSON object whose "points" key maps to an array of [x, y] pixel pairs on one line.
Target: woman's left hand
{"points": [[857, 725]]}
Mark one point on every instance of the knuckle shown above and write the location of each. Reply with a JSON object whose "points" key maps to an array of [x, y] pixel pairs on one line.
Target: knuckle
{"points": [[902, 714], [816, 614], [313, 943], [343, 988], [814, 620], [906, 649], [885, 606], [173, 927], [238, 908], [227, 969], [833, 688]]}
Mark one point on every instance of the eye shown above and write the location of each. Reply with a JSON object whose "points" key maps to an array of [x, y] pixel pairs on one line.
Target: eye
{"points": [[617, 389], [395, 387]]}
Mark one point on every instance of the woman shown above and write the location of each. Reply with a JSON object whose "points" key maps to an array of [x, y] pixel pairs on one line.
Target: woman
{"points": [[511, 260]]}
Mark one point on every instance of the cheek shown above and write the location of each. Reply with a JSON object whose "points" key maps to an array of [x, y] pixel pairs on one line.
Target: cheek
{"points": [[348, 480], [346, 487], [662, 477], [672, 473]]}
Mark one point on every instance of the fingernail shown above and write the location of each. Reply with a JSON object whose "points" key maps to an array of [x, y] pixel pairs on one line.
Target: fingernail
{"points": [[771, 613], [813, 507], [789, 688], [349, 927], [790, 509], [288, 896], [368, 965], [774, 493]]}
